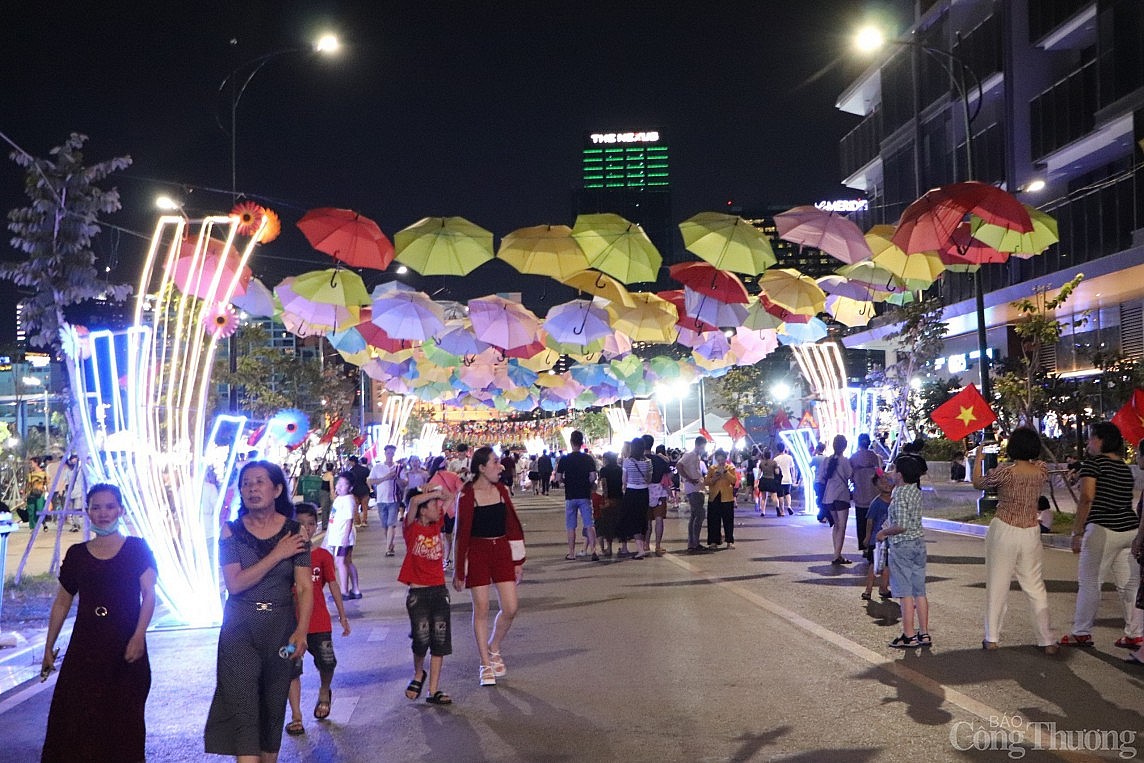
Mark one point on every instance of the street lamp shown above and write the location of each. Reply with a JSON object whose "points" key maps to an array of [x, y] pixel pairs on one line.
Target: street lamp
{"points": [[33, 381], [326, 45]]}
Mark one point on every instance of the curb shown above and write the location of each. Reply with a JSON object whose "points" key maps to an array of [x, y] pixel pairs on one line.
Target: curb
{"points": [[1048, 540]]}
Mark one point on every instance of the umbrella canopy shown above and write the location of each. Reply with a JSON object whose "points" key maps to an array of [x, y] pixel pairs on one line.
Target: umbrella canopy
{"points": [[832, 233], [543, 250], [713, 345], [728, 242], [617, 344], [963, 247], [617, 247], [502, 322], [577, 322], [791, 289], [348, 237], [758, 317], [750, 346], [918, 270], [651, 320], [849, 312], [443, 246], [710, 281], [409, 315], [929, 223], [873, 276], [306, 317], [258, 299], [844, 287], [803, 333], [679, 299], [600, 286], [1043, 235], [458, 339], [334, 286], [704, 310], [200, 276]]}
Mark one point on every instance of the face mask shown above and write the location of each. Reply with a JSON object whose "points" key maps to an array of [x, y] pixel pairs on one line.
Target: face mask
{"points": [[111, 529]]}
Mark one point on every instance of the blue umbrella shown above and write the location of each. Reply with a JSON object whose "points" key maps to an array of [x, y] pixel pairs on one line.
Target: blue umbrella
{"points": [[803, 333]]}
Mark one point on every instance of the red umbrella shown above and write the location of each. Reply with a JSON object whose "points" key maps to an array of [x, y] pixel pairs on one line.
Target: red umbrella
{"points": [[348, 237], [709, 280], [930, 222], [964, 249], [675, 297]]}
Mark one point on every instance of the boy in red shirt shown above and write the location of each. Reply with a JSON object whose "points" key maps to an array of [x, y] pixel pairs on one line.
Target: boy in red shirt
{"points": [[428, 598], [319, 638]]}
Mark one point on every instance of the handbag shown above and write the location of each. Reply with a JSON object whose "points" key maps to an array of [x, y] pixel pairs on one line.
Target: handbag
{"points": [[516, 547], [880, 551]]}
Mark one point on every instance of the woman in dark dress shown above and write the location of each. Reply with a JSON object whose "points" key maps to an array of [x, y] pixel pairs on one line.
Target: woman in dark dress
{"points": [[612, 485], [633, 512], [105, 668], [263, 557]]}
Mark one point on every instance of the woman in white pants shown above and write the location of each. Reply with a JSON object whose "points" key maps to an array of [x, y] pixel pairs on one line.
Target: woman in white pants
{"points": [[1013, 541], [1103, 531]]}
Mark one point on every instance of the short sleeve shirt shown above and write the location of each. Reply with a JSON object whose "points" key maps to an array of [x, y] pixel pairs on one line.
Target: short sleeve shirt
{"points": [[577, 468], [424, 555], [786, 465], [1112, 504], [906, 512], [386, 491], [322, 574]]}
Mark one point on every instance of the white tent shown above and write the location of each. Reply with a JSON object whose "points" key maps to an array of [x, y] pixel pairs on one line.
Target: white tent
{"points": [[684, 438]]}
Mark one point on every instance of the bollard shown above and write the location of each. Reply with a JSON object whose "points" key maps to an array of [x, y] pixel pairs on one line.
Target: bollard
{"points": [[6, 527]]}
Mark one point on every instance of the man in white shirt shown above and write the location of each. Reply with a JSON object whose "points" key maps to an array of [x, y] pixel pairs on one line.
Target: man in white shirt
{"points": [[460, 463], [384, 478], [691, 469], [785, 463]]}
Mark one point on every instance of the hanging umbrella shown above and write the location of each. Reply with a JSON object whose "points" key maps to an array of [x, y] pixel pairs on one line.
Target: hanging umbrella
{"points": [[750, 346], [409, 315], [502, 322], [728, 242], [710, 281], [963, 247], [616, 345], [257, 301], [803, 333], [348, 237], [443, 246], [876, 278], [829, 232], [702, 310], [584, 352], [195, 275], [543, 250], [929, 223], [540, 361], [758, 317], [600, 286], [332, 287], [791, 289], [651, 320], [306, 317], [678, 298], [577, 322], [713, 346], [458, 339], [528, 350], [617, 247], [1043, 235], [844, 287], [349, 341], [918, 270], [849, 312]]}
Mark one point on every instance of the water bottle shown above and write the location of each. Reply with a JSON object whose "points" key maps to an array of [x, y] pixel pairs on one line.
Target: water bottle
{"points": [[287, 651]]}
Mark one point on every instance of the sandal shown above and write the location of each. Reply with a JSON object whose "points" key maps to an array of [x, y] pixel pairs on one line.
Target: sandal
{"points": [[1127, 642], [322, 708], [569, 558], [924, 639], [413, 690], [497, 664], [866, 597], [295, 728], [1074, 640], [905, 642], [486, 677], [439, 698]]}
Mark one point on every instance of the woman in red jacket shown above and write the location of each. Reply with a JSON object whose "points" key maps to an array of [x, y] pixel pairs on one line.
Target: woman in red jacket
{"points": [[487, 531]]}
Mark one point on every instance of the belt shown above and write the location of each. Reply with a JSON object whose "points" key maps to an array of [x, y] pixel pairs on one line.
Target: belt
{"points": [[261, 606]]}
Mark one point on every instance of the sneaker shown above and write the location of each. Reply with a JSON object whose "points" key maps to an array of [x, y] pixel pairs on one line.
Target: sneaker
{"points": [[389, 552], [487, 677], [730, 545]]}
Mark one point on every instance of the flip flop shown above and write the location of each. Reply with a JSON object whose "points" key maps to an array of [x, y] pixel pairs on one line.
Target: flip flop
{"points": [[295, 728], [413, 690], [1132, 659], [322, 708]]}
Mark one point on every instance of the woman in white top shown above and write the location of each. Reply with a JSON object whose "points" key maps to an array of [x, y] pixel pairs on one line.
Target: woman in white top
{"points": [[836, 495], [633, 511]]}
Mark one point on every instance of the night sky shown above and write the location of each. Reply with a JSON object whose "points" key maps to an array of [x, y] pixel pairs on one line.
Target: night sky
{"points": [[477, 109]]}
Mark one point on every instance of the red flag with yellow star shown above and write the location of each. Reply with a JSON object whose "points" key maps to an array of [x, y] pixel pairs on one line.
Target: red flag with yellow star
{"points": [[1130, 418], [964, 413]]}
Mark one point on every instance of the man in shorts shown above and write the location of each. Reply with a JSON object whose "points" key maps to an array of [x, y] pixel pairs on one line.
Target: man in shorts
{"points": [[786, 465], [577, 471], [384, 478]]}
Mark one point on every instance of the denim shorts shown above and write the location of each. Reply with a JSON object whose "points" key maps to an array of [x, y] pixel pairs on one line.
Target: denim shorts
{"points": [[574, 506], [388, 514], [908, 568], [429, 620]]}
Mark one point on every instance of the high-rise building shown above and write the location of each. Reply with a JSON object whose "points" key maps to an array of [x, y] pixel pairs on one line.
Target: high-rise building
{"points": [[628, 173], [1061, 100]]}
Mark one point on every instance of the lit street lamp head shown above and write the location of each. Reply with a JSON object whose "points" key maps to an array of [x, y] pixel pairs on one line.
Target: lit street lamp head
{"points": [[869, 39], [327, 44]]}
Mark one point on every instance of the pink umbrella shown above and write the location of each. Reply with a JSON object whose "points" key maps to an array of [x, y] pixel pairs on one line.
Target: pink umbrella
{"points": [[834, 234], [194, 275], [752, 346]]}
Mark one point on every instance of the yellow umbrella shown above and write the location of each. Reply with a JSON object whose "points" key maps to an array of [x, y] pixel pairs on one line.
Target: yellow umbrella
{"points": [[541, 361], [443, 246], [617, 247], [918, 270], [791, 289], [848, 311], [1023, 245], [600, 285], [331, 287], [873, 275], [543, 250], [728, 242], [652, 319]]}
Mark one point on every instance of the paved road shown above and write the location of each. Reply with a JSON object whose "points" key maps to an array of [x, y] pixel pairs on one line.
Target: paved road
{"points": [[758, 653]]}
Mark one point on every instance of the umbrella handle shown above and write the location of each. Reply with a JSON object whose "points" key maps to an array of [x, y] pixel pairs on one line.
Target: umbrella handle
{"points": [[599, 282], [467, 361], [890, 284]]}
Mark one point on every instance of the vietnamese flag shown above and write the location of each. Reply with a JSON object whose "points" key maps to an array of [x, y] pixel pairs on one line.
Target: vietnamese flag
{"points": [[703, 431], [1130, 418], [735, 428], [332, 430], [964, 413]]}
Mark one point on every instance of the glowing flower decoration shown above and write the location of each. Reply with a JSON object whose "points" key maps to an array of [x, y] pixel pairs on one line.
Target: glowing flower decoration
{"points": [[273, 226], [249, 217], [289, 427], [220, 321]]}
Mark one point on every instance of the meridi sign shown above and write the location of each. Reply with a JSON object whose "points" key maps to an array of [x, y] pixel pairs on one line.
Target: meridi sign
{"points": [[650, 136], [843, 205]]}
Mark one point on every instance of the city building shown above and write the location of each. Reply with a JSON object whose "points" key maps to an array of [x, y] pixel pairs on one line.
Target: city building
{"points": [[629, 174], [1061, 100]]}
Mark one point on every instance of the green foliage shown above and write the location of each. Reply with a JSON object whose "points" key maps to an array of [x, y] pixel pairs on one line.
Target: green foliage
{"points": [[942, 449], [742, 392], [54, 235], [593, 424]]}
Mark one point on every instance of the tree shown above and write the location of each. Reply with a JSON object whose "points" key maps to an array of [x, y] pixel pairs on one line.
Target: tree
{"points": [[593, 424], [742, 392], [918, 343], [55, 233]]}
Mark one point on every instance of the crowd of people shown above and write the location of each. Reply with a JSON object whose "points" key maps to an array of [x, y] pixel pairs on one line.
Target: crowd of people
{"points": [[457, 519]]}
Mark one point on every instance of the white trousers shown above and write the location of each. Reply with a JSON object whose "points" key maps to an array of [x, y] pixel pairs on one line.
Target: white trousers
{"points": [[1016, 551], [1102, 552]]}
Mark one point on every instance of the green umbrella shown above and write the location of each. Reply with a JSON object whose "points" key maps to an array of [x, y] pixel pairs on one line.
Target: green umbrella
{"points": [[443, 246], [1024, 245], [728, 242], [617, 247]]}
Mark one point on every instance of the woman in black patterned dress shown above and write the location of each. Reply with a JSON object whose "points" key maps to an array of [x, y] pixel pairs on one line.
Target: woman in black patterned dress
{"points": [[263, 557]]}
